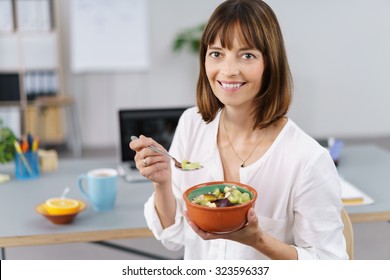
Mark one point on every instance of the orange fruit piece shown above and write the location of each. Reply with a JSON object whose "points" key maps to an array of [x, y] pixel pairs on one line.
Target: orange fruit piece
{"points": [[62, 206]]}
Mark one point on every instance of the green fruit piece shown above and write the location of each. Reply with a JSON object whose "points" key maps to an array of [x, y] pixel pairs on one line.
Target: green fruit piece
{"points": [[236, 192], [185, 164], [245, 197], [198, 199], [211, 204], [203, 202], [233, 198], [216, 192], [227, 189]]}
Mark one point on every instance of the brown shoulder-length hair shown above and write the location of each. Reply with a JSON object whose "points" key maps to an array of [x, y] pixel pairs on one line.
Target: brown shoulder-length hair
{"points": [[258, 28]]}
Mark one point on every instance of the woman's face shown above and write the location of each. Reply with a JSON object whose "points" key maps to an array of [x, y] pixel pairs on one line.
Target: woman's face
{"points": [[234, 75]]}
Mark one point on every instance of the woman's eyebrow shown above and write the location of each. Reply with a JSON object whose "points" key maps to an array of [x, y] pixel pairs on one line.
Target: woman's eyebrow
{"points": [[214, 47], [249, 49], [218, 47]]}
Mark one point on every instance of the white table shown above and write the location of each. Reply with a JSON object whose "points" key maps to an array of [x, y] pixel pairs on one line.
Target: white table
{"points": [[22, 226]]}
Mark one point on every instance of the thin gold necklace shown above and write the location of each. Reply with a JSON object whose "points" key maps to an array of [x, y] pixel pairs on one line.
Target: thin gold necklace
{"points": [[231, 145]]}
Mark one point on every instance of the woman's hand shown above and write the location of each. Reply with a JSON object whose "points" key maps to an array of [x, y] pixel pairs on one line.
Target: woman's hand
{"points": [[253, 236], [151, 165], [250, 235]]}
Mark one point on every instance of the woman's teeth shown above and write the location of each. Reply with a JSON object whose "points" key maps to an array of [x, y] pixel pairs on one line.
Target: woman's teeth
{"points": [[231, 85]]}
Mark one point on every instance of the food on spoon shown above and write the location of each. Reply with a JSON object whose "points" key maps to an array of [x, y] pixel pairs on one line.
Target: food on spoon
{"points": [[185, 164], [229, 197]]}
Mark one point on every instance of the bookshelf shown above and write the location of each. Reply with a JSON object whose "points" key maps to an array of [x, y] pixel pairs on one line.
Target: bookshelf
{"points": [[30, 65]]}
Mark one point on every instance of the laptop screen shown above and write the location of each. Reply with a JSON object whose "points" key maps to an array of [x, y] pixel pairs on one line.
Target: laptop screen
{"points": [[160, 124]]}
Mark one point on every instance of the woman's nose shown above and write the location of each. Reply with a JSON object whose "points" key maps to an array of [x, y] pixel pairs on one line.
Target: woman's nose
{"points": [[230, 67]]}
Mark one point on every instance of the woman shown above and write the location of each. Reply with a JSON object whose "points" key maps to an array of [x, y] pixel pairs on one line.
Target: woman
{"points": [[240, 132]]}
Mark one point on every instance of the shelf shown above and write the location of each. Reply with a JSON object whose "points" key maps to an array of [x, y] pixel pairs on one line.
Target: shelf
{"points": [[54, 101], [30, 64], [7, 104]]}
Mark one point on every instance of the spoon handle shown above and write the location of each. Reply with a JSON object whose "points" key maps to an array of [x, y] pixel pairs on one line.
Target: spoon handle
{"points": [[64, 193], [160, 151], [177, 163], [155, 149]]}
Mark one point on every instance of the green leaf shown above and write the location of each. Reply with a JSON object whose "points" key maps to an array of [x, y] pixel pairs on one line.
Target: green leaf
{"points": [[189, 37], [7, 139], [195, 45], [178, 44]]}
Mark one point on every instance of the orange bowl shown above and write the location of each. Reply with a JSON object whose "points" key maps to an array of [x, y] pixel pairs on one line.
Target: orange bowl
{"points": [[220, 219], [59, 219]]}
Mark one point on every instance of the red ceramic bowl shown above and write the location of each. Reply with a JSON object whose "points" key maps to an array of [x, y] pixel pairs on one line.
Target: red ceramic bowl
{"points": [[221, 219]]}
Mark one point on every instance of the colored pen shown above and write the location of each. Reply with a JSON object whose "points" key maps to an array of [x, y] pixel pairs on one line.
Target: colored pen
{"points": [[35, 144], [30, 140], [24, 145], [22, 157]]}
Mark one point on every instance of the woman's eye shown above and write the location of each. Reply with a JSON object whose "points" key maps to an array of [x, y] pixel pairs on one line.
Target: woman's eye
{"points": [[215, 54], [248, 56]]}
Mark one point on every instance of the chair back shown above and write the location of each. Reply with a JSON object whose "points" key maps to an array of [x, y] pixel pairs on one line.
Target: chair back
{"points": [[348, 233]]}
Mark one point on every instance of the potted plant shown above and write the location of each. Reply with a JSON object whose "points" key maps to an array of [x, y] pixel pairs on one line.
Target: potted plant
{"points": [[190, 38], [7, 139]]}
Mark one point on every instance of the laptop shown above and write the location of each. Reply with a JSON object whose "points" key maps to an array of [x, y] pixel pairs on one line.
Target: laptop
{"points": [[158, 123]]}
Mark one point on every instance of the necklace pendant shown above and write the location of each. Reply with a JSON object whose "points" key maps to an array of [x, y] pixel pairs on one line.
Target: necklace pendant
{"points": [[243, 164]]}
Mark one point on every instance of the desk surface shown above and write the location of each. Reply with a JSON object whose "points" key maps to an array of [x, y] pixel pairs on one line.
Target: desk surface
{"points": [[22, 226], [367, 167]]}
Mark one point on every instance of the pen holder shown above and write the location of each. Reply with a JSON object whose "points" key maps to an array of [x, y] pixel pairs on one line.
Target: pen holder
{"points": [[27, 168]]}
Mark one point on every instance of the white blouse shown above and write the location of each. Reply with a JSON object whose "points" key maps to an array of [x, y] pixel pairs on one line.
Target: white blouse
{"points": [[298, 194]]}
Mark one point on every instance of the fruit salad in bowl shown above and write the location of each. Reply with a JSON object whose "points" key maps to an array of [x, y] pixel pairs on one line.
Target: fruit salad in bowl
{"points": [[219, 207]]}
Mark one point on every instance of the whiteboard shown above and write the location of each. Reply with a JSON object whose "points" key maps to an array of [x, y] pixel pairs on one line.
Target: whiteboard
{"points": [[12, 119], [109, 35]]}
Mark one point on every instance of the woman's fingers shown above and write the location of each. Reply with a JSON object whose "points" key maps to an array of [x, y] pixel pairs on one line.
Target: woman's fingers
{"points": [[246, 235], [251, 216], [144, 157], [141, 143], [153, 166]]}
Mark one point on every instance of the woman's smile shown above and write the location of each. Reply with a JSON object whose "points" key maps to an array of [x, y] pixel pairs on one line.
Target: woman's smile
{"points": [[231, 86], [235, 74]]}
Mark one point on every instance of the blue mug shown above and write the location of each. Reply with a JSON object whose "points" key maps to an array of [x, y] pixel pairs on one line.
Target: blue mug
{"points": [[101, 188]]}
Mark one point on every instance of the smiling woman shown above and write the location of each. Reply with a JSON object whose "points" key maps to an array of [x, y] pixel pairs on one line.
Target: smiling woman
{"points": [[231, 71], [254, 38], [240, 133]]}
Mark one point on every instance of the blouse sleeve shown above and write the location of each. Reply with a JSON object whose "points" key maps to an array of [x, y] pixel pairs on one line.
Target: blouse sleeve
{"points": [[171, 237], [318, 228]]}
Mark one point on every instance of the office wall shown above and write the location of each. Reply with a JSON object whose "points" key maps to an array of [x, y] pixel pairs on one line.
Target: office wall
{"points": [[340, 59], [338, 52]]}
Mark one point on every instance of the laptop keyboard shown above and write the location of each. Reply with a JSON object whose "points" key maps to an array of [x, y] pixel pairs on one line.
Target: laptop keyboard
{"points": [[130, 175]]}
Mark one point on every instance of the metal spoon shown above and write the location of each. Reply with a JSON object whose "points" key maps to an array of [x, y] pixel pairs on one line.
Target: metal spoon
{"points": [[178, 164], [64, 193]]}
